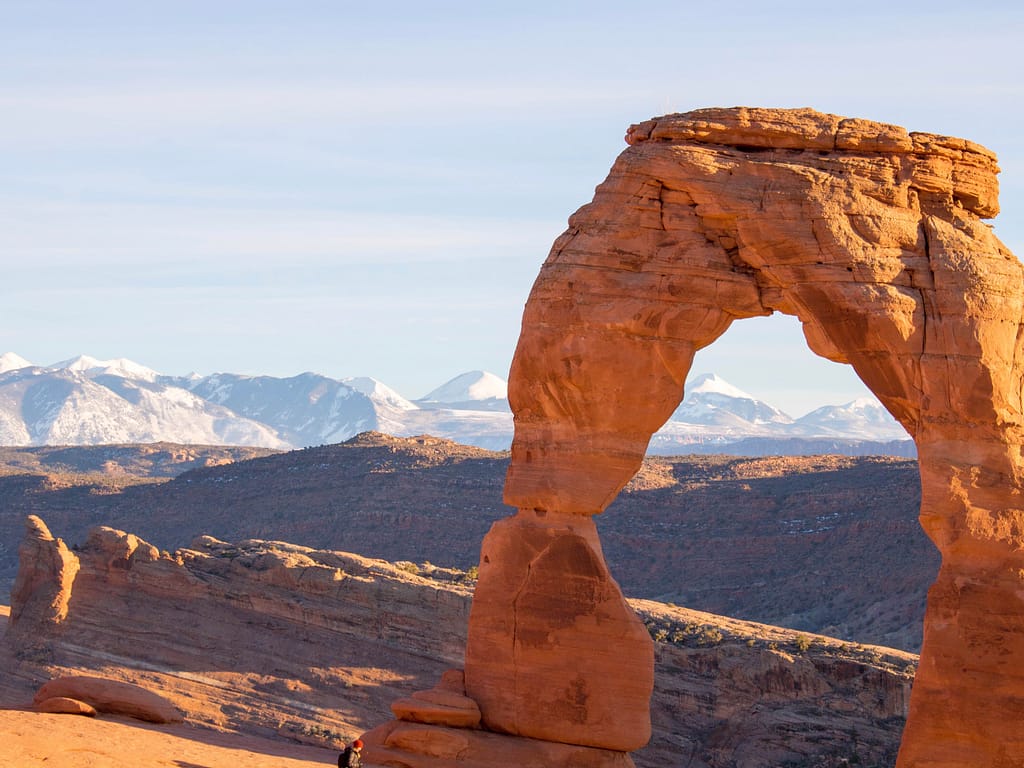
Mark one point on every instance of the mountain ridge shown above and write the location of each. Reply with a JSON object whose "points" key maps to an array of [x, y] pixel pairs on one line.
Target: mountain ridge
{"points": [[87, 401]]}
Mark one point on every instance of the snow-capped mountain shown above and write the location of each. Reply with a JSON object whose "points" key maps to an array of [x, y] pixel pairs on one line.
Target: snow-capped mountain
{"points": [[475, 390], [68, 406], [864, 417], [119, 367], [308, 409], [87, 401], [12, 362], [716, 417], [712, 401]]}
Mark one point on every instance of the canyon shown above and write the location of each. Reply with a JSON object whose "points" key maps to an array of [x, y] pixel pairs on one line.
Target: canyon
{"points": [[269, 640], [825, 544]]}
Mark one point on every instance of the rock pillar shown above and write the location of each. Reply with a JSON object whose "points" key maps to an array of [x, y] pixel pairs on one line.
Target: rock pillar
{"points": [[554, 651], [42, 587]]}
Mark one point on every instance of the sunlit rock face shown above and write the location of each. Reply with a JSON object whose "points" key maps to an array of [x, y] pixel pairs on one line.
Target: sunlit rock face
{"points": [[873, 237], [549, 623], [42, 589]]}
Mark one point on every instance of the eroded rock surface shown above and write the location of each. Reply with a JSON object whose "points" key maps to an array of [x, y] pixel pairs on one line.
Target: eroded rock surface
{"points": [[42, 589], [112, 696], [873, 237], [64, 705], [549, 621], [264, 638]]}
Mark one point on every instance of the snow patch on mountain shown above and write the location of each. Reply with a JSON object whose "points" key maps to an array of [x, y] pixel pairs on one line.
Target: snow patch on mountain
{"points": [[9, 361], [472, 391], [379, 392], [710, 401], [117, 367], [712, 383], [474, 385]]}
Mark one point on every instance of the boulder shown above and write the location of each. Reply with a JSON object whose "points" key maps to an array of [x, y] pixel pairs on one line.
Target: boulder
{"points": [[62, 705], [111, 697], [438, 707]]}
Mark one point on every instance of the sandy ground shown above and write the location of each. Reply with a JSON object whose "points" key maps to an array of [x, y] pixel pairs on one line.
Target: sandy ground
{"points": [[29, 739], [70, 741]]}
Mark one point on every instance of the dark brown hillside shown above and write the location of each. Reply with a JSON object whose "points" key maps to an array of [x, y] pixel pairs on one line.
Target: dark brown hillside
{"points": [[150, 460], [827, 544]]}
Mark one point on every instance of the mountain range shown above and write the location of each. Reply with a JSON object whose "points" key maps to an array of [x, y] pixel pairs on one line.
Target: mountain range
{"points": [[86, 401]]}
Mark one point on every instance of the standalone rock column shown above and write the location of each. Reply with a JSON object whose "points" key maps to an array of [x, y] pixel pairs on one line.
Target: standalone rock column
{"points": [[554, 652]]}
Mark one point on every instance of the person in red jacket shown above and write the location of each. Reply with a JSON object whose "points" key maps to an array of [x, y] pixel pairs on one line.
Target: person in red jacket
{"points": [[352, 756]]}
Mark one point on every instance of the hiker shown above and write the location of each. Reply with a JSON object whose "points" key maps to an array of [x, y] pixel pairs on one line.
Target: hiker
{"points": [[351, 757]]}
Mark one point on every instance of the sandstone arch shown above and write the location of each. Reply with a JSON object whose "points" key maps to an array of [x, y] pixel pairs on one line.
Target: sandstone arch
{"points": [[873, 237]]}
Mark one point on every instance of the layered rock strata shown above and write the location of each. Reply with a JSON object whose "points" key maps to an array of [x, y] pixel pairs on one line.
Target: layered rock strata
{"points": [[267, 638], [271, 639], [873, 237]]}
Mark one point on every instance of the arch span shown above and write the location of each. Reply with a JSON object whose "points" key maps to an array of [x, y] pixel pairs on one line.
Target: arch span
{"points": [[873, 237]]}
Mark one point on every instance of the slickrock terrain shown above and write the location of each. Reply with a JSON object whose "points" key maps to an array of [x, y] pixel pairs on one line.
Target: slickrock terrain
{"points": [[822, 544], [873, 237], [271, 640]]}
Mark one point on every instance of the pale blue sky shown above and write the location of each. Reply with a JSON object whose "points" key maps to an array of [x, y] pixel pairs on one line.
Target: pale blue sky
{"points": [[275, 187]]}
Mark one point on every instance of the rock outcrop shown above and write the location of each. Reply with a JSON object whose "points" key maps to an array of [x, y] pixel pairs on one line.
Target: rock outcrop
{"points": [[445, 704], [271, 639], [64, 705], [42, 588], [264, 637], [873, 237]]}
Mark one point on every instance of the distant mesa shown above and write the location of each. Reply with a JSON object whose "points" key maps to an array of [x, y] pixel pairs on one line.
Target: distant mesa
{"points": [[87, 401]]}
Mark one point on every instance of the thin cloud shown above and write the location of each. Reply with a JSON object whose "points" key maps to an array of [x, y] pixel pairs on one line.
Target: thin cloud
{"points": [[46, 235]]}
